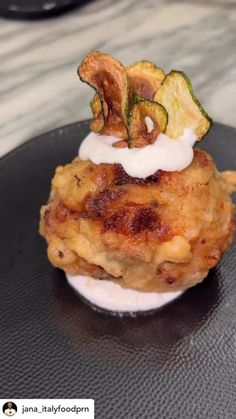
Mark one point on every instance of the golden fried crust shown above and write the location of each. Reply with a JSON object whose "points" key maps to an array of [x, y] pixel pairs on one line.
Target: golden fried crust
{"points": [[161, 233]]}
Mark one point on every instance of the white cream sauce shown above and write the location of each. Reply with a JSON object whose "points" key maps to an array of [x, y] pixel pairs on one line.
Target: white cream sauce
{"points": [[165, 154], [111, 296], [149, 123]]}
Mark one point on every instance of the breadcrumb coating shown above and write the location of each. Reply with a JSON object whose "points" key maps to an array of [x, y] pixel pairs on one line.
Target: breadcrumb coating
{"points": [[162, 233]]}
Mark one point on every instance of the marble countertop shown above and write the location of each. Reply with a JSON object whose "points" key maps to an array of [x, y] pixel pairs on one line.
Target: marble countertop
{"points": [[39, 87]]}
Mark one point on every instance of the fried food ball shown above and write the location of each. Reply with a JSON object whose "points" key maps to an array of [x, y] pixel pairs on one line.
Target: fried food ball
{"points": [[162, 233]]}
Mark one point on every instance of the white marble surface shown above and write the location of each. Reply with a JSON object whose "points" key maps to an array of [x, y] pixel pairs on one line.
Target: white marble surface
{"points": [[39, 88]]}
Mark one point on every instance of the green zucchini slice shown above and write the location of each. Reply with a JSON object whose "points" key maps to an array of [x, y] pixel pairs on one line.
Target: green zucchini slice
{"points": [[144, 79], [108, 77], [184, 110], [139, 134]]}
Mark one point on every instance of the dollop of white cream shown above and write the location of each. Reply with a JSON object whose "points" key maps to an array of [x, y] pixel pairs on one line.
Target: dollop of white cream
{"points": [[149, 123], [111, 296], [164, 154]]}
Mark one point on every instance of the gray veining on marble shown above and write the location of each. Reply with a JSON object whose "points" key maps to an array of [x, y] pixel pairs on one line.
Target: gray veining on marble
{"points": [[39, 87]]}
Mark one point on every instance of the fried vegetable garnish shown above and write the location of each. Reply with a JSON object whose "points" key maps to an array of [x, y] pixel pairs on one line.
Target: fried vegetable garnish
{"points": [[98, 113], [144, 113], [125, 97], [183, 108], [108, 77], [144, 79]]}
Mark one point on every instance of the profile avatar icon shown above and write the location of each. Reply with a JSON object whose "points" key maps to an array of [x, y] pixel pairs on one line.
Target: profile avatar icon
{"points": [[9, 409]]}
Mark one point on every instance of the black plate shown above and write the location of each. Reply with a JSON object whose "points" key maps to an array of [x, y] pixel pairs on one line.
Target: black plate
{"points": [[31, 9], [177, 363]]}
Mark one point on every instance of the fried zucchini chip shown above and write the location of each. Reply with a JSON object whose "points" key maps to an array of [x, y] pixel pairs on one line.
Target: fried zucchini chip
{"points": [[183, 108], [108, 77], [98, 114], [147, 120], [144, 79]]}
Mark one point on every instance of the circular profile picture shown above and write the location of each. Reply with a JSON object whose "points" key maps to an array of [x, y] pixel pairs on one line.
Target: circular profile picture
{"points": [[9, 409]]}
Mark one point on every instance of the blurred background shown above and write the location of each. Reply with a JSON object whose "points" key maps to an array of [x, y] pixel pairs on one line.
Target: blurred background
{"points": [[39, 86]]}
